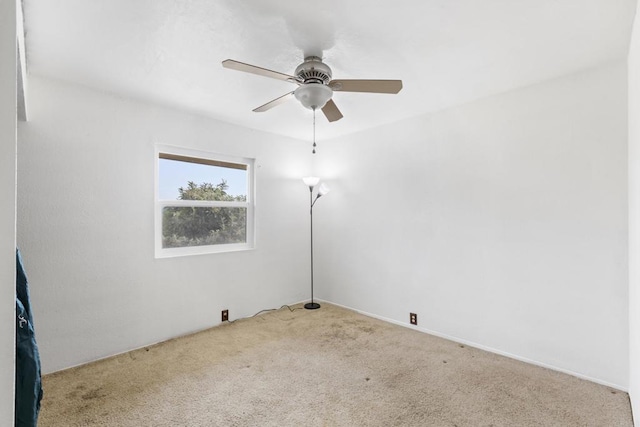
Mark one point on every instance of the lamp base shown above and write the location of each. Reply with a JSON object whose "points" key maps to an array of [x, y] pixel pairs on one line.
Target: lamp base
{"points": [[312, 306]]}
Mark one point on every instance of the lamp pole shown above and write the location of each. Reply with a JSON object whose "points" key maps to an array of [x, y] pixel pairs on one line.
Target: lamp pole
{"points": [[322, 190], [311, 305]]}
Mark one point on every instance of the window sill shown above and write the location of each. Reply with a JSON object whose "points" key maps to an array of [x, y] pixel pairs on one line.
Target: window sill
{"points": [[202, 250]]}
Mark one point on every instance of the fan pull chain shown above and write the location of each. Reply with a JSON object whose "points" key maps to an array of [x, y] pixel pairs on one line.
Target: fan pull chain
{"points": [[314, 131]]}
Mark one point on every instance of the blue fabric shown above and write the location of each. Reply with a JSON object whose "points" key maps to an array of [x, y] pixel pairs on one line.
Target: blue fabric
{"points": [[28, 377]]}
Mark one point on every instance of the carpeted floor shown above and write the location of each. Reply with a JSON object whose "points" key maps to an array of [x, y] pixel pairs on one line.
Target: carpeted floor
{"points": [[328, 367]]}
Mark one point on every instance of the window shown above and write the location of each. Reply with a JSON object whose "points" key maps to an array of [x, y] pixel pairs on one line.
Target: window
{"points": [[204, 202]]}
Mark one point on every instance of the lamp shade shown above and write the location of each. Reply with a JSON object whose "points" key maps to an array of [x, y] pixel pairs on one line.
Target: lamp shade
{"points": [[323, 189], [313, 95], [311, 181]]}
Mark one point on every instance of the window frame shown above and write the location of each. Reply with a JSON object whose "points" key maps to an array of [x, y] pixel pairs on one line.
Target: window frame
{"points": [[214, 159]]}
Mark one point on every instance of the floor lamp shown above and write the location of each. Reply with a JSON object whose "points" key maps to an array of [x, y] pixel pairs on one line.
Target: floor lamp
{"points": [[311, 182]]}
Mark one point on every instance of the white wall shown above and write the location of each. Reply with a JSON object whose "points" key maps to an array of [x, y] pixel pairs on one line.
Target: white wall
{"points": [[8, 206], [501, 223], [634, 219], [85, 225]]}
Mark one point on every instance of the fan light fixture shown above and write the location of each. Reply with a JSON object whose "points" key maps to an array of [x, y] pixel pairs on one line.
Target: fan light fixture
{"points": [[313, 95], [316, 85]]}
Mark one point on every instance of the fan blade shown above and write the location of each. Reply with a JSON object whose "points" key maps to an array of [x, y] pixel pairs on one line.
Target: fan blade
{"points": [[372, 86], [269, 105], [248, 68], [331, 111]]}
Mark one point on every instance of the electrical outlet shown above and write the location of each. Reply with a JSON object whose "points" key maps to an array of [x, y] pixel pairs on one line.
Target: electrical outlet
{"points": [[413, 319], [225, 315]]}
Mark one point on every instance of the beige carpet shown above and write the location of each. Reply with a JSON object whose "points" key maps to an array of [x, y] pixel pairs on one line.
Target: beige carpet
{"points": [[329, 367]]}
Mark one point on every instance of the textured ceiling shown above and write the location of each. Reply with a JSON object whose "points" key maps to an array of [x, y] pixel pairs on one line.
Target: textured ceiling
{"points": [[447, 52]]}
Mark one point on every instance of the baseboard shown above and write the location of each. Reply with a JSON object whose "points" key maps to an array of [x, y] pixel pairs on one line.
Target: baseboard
{"points": [[635, 407], [186, 334], [483, 347], [395, 322]]}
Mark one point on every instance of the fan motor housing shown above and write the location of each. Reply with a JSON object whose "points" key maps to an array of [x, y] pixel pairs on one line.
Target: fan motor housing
{"points": [[313, 70]]}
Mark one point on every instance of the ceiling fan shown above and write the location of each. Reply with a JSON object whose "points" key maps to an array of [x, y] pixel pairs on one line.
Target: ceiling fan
{"points": [[315, 86]]}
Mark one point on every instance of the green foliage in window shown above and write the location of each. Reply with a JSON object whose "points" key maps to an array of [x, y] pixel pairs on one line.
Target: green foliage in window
{"points": [[198, 226]]}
